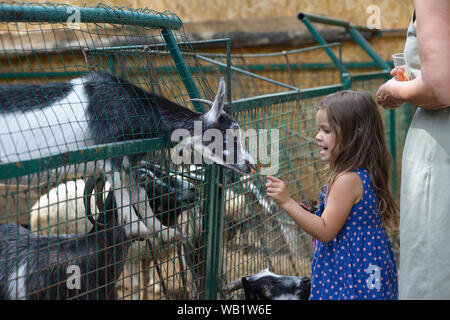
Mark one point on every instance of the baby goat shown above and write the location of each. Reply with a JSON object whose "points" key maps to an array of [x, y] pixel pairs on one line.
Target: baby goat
{"points": [[267, 285], [75, 266]]}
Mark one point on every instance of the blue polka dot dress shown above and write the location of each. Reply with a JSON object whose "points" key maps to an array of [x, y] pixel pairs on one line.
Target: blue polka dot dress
{"points": [[359, 262]]}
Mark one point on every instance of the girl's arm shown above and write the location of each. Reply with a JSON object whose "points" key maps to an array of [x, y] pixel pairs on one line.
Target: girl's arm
{"points": [[344, 193], [432, 89]]}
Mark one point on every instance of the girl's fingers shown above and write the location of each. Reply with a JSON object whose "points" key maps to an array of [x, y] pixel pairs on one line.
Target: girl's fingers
{"points": [[273, 192], [274, 187], [274, 183], [273, 179], [271, 185]]}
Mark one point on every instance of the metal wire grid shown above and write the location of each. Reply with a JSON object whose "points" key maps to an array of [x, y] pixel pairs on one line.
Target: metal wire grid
{"points": [[166, 267], [253, 235], [266, 73]]}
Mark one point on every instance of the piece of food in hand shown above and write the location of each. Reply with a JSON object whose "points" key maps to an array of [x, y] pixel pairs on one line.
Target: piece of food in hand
{"points": [[404, 75], [401, 76], [407, 74]]}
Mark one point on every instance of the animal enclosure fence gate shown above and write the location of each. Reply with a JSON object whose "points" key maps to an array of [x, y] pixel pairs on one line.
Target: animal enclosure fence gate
{"points": [[231, 229], [67, 233]]}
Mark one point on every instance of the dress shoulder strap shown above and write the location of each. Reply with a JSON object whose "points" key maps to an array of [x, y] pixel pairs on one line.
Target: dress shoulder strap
{"points": [[364, 175]]}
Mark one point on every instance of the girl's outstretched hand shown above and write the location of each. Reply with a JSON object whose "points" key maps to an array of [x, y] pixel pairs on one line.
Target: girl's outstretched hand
{"points": [[276, 189]]}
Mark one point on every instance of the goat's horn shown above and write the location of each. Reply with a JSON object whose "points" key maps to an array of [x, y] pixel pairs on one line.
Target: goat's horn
{"points": [[209, 103], [233, 286]]}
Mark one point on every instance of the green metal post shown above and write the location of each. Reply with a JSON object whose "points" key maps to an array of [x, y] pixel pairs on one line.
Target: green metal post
{"points": [[182, 69], [228, 44], [213, 227], [322, 19], [335, 22], [345, 74], [352, 31], [221, 193], [392, 146], [359, 39], [214, 252], [214, 204]]}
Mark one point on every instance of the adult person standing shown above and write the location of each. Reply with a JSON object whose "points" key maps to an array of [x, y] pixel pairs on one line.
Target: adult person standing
{"points": [[425, 184]]}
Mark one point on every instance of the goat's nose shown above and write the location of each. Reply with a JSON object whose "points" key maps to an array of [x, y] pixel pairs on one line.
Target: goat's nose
{"points": [[251, 166]]}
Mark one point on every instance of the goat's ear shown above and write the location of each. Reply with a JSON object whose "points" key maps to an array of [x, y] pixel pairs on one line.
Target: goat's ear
{"points": [[248, 292], [217, 107]]}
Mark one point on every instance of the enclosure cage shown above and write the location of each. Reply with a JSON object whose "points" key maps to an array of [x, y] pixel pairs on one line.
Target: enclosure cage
{"points": [[231, 228]]}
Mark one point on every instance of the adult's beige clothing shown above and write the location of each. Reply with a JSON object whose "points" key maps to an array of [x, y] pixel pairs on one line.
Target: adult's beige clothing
{"points": [[425, 199]]}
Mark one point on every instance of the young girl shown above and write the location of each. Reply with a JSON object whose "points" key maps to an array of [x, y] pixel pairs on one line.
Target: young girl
{"points": [[353, 256]]}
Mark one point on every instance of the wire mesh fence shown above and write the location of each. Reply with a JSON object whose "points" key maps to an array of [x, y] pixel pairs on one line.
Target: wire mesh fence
{"points": [[266, 73], [257, 233], [47, 157], [71, 205]]}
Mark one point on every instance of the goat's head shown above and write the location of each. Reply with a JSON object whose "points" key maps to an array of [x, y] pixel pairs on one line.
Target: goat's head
{"points": [[219, 138], [267, 285], [171, 193]]}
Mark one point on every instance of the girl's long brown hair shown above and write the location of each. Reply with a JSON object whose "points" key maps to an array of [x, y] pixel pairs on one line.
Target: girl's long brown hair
{"points": [[354, 118]]}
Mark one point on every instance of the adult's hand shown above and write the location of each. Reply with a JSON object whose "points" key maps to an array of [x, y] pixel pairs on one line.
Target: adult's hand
{"points": [[430, 90], [386, 95]]}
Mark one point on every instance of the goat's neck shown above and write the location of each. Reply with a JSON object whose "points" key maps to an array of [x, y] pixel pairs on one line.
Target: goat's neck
{"points": [[178, 117]]}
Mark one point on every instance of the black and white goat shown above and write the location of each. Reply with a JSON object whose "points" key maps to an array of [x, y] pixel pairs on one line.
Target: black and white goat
{"points": [[267, 285], [41, 120], [63, 209], [75, 266]]}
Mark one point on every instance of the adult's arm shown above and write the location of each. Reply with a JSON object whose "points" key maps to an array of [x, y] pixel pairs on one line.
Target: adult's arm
{"points": [[433, 34]]}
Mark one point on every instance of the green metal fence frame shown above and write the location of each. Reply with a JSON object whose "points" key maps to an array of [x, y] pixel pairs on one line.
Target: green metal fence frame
{"points": [[56, 14], [166, 24]]}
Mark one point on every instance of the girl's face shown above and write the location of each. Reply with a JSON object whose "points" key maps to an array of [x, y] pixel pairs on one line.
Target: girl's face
{"points": [[325, 138]]}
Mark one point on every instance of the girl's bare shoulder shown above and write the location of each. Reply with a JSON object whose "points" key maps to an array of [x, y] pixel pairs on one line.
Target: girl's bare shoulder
{"points": [[348, 184]]}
